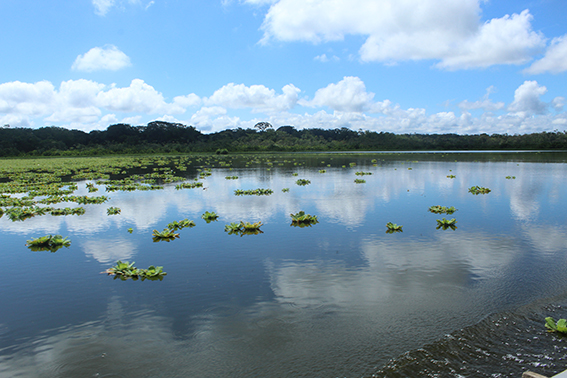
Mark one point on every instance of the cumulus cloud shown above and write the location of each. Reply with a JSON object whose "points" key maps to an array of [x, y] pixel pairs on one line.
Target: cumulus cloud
{"points": [[256, 97], [26, 98], [485, 103], [446, 30], [138, 97], [108, 57], [527, 99], [348, 95], [87, 105], [506, 40], [554, 60]]}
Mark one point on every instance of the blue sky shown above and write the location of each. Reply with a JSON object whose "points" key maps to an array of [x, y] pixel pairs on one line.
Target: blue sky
{"points": [[403, 66]]}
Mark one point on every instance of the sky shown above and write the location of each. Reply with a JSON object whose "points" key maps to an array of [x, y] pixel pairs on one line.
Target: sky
{"points": [[402, 66]]}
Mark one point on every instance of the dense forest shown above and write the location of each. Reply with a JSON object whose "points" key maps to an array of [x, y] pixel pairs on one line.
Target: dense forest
{"points": [[165, 137]]}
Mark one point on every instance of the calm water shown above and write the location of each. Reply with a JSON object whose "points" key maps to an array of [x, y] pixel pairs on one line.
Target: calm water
{"points": [[340, 299]]}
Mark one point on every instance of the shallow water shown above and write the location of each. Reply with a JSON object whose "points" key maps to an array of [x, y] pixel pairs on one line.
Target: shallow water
{"points": [[339, 299]]}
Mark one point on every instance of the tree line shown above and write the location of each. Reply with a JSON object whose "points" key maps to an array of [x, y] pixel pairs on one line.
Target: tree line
{"points": [[166, 137]]}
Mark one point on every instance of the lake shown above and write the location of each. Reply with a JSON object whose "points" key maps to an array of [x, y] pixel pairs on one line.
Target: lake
{"points": [[339, 298]]}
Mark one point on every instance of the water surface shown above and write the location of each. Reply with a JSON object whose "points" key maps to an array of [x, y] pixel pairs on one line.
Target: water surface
{"points": [[342, 298]]}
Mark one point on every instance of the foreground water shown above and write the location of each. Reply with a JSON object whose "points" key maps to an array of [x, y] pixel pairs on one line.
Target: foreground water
{"points": [[342, 298]]}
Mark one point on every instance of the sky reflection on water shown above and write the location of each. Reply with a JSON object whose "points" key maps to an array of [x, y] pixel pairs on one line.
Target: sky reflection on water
{"points": [[336, 299]]}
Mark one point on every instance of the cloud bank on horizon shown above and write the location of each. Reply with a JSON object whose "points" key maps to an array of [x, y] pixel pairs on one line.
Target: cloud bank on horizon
{"points": [[414, 66]]}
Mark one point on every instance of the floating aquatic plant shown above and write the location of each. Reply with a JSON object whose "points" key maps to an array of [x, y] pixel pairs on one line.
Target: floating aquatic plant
{"points": [[253, 192], [478, 190], [232, 228], [442, 209], [189, 185], [231, 177], [113, 211], [166, 235], [359, 181], [301, 219], [363, 173], [510, 177], [392, 227], [126, 270], [303, 182], [552, 326], [48, 243], [445, 224], [243, 228], [179, 225], [23, 213], [451, 176], [322, 171], [68, 211], [130, 230], [285, 190], [209, 217]]}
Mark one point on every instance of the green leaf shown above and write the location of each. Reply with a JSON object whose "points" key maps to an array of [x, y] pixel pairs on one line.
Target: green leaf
{"points": [[550, 324], [562, 325]]}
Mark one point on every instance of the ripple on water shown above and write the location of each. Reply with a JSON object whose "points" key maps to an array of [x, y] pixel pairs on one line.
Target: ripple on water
{"points": [[501, 345]]}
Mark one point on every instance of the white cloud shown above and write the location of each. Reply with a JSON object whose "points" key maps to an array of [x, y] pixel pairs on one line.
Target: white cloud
{"points": [[102, 6], [88, 105], [485, 103], [108, 57], [558, 103], [506, 40], [527, 99], [555, 59], [187, 101], [348, 95], [257, 97], [26, 99], [138, 97], [446, 30], [323, 58]]}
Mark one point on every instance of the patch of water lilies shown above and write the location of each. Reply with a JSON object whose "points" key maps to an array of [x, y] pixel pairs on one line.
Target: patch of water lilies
{"points": [[179, 225], [303, 182], [231, 177], [127, 270], [243, 228], [451, 176], [559, 326], [300, 219], [476, 190], [253, 192], [209, 216], [445, 224], [285, 190], [68, 211], [23, 213], [189, 185], [393, 227], [359, 181], [48, 243], [166, 235], [510, 177], [363, 173], [113, 211], [442, 209]]}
